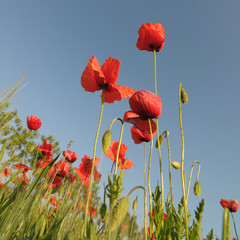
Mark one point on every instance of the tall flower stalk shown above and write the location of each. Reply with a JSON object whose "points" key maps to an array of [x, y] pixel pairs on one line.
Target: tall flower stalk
{"points": [[182, 165], [93, 161], [158, 143]]}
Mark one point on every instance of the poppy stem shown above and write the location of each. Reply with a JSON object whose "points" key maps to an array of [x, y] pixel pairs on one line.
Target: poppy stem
{"points": [[190, 177], [118, 148], [93, 163], [157, 130], [169, 160], [149, 168], [145, 193], [135, 188], [182, 161], [234, 224]]}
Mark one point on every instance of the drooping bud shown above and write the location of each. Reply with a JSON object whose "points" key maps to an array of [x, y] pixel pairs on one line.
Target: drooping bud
{"points": [[134, 205], [106, 141], [184, 97], [103, 211], [176, 165], [197, 188], [118, 213], [160, 141]]}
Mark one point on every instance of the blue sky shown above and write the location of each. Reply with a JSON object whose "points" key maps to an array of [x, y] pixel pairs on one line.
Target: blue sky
{"points": [[50, 42]]}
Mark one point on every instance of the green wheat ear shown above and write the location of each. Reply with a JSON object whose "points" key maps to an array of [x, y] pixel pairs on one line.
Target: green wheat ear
{"points": [[118, 213], [106, 141]]}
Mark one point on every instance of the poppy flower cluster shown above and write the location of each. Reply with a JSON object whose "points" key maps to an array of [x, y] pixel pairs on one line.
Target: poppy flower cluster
{"points": [[96, 77], [84, 170], [46, 150]]}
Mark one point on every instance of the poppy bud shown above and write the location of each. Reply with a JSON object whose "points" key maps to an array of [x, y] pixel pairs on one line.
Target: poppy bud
{"points": [[119, 213], [103, 211], [197, 188], [176, 165], [184, 97], [134, 206], [106, 141], [160, 141]]}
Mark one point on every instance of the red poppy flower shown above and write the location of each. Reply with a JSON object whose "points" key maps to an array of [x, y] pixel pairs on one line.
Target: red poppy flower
{"points": [[96, 77], [6, 172], [146, 104], [20, 166], [61, 168], [70, 156], [54, 201], [46, 149], [140, 136], [42, 164], [33, 123], [232, 205], [1, 184], [151, 37], [84, 170], [122, 162], [72, 178], [123, 227]]}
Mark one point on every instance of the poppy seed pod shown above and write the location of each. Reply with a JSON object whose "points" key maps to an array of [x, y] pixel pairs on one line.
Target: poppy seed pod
{"points": [[197, 188], [184, 97], [160, 141], [146, 104], [176, 165], [118, 213], [106, 141]]}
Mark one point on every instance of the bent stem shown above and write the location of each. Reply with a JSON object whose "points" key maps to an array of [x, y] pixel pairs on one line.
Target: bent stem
{"points": [[182, 161], [234, 226], [93, 162], [190, 177], [159, 150], [149, 168]]}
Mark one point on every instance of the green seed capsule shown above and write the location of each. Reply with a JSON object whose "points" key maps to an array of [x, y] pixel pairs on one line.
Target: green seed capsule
{"points": [[118, 213], [103, 211], [134, 205], [106, 140], [160, 141], [197, 188], [184, 97], [176, 165]]}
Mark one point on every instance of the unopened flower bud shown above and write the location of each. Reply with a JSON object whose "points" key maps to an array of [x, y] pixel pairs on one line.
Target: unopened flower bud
{"points": [[197, 188], [134, 205], [184, 97], [103, 211], [106, 141], [176, 165], [160, 141]]}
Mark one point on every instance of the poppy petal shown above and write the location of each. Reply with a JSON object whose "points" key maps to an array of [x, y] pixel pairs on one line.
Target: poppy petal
{"points": [[139, 136], [130, 117], [127, 162], [125, 92], [92, 78], [110, 68], [111, 94]]}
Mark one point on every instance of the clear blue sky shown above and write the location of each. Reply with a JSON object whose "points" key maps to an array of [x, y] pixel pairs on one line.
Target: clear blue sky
{"points": [[50, 43]]}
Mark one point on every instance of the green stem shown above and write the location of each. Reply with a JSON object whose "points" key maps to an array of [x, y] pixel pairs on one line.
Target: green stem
{"points": [[93, 162], [118, 149], [149, 168], [135, 188], [145, 194], [190, 177], [182, 161], [157, 130], [234, 226], [169, 161], [115, 119]]}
